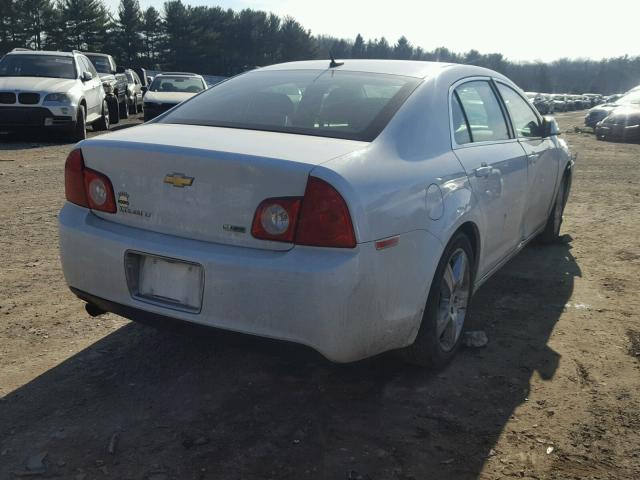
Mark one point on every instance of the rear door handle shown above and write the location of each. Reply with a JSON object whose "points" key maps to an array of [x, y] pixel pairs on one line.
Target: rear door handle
{"points": [[483, 171], [533, 157]]}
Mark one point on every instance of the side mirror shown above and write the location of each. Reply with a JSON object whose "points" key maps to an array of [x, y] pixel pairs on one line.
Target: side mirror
{"points": [[86, 76], [549, 127], [144, 89]]}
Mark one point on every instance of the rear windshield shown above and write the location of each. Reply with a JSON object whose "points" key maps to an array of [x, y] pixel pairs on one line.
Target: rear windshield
{"points": [[51, 66], [177, 84], [339, 104]]}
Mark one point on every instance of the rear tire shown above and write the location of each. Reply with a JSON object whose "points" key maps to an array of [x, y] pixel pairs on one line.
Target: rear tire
{"points": [[440, 333], [551, 233]]}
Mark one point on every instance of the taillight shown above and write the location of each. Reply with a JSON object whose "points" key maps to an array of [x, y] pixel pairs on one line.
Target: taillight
{"points": [[74, 179], [324, 217], [99, 191], [86, 187], [321, 218], [275, 219]]}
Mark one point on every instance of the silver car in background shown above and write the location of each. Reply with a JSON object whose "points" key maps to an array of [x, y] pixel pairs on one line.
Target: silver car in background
{"points": [[51, 91]]}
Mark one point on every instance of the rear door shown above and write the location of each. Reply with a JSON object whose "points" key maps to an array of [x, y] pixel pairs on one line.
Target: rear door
{"points": [[495, 164], [542, 158]]}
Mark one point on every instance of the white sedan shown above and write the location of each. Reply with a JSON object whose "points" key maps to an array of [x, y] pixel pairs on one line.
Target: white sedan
{"points": [[353, 207]]}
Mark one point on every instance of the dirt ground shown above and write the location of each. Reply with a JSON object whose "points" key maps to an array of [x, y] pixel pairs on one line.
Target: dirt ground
{"points": [[555, 394]]}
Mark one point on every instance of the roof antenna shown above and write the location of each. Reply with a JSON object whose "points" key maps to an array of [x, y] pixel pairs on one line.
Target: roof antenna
{"points": [[333, 63]]}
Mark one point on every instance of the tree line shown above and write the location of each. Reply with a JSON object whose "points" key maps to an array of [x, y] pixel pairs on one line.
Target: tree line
{"points": [[217, 41]]}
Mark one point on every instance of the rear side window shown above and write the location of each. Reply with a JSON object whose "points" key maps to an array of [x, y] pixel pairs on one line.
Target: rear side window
{"points": [[525, 121], [328, 103], [482, 111], [459, 122]]}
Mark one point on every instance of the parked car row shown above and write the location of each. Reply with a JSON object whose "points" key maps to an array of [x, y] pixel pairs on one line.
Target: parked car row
{"points": [[66, 91], [547, 103]]}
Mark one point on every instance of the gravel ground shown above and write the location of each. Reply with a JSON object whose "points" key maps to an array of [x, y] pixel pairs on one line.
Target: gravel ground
{"points": [[553, 396]]}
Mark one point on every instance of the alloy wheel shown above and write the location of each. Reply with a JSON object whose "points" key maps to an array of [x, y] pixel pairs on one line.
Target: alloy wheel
{"points": [[454, 299]]}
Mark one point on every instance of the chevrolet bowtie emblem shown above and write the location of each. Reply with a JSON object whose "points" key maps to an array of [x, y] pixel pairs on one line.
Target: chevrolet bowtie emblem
{"points": [[178, 180]]}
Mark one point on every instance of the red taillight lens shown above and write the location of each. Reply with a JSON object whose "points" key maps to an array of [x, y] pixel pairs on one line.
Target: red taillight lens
{"points": [[324, 217], [99, 191], [275, 219], [86, 187], [74, 179]]}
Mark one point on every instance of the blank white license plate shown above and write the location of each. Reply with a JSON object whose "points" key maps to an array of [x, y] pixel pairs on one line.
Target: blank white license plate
{"points": [[170, 281]]}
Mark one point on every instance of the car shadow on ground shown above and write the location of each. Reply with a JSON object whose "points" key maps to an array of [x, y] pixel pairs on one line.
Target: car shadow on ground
{"points": [[35, 139], [219, 405]]}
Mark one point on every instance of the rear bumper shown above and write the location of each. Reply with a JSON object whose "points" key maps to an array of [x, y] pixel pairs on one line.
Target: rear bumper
{"points": [[347, 304], [17, 118]]}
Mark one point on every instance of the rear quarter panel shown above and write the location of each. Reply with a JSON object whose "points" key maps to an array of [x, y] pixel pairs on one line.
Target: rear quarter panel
{"points": [[386, 183]]}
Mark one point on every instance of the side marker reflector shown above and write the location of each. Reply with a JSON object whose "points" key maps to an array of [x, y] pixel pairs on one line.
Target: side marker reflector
{"points": [[387, 243]]}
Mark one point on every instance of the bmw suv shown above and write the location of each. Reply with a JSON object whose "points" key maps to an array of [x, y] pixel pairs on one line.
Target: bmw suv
{"points": [[52, 91]]}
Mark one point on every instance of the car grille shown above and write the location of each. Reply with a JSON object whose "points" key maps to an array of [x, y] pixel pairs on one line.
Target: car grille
{"points": [[7, 98], [29, 98]]}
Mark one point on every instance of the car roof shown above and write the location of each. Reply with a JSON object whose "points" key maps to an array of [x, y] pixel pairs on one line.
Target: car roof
{"points": [[178, 74], [40, 52], [407, 68]]}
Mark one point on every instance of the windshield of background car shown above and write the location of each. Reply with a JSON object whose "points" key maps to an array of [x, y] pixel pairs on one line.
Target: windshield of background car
{"points": [[632, 98], [51, 66], [177, 85], [328, 103], [101, 63]]}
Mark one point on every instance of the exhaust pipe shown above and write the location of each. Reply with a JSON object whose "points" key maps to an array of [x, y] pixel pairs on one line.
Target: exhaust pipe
{"points": [[93, 309]]}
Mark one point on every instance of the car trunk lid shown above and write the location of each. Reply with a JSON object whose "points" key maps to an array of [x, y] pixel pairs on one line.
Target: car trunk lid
{"points": [[205, 183]]}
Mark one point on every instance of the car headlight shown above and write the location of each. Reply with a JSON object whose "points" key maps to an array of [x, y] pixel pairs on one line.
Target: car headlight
{"points": [[58, 98]]}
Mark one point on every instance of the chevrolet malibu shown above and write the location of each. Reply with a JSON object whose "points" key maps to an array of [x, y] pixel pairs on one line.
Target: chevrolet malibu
{"points": [[352, 207]]}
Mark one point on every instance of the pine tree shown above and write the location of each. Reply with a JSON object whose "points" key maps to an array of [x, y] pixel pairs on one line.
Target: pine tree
{"points": [[403, 49], [176, 53], [36, 16], [151, 31], [296, 43], [358, 50], [85, 24], [12, 33], [128, 27]]}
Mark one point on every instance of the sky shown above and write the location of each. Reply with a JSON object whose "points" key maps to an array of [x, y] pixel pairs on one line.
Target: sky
{"points": [[522, 31]]}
